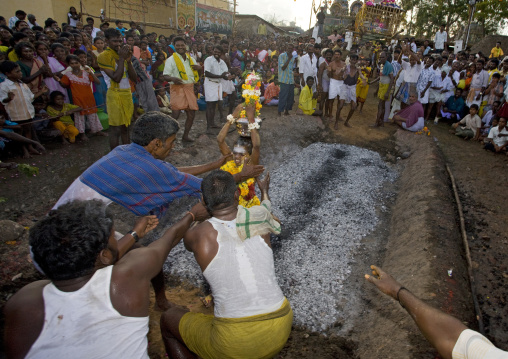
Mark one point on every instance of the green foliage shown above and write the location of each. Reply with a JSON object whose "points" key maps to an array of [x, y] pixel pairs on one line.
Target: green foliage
{"points": [[428, 15], [28, 170]]}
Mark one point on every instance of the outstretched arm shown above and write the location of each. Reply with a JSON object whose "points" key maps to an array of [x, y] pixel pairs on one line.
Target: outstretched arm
{"points": [[256, 145], [199, 169], [440, 329]]}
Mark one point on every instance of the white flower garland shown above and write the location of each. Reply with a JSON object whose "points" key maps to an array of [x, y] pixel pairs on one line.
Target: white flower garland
{"points": [[231, 119], [253, 126]]}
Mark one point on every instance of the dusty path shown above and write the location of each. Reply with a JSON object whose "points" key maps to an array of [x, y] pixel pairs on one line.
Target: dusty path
{"points": [[419, 250]]}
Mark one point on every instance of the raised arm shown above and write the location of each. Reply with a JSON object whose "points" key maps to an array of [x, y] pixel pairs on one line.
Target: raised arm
{"points": [[199, 169], [440, 329], [256, 145]]}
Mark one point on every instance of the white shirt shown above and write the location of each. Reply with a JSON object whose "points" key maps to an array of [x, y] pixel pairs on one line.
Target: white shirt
{"points": [[95, 30], [440, 39], [480, 80], [412, 72], [215, 67], [20, 108], [413, 47], [308, 65], [473, 345], [72, 22], [494, 135]]}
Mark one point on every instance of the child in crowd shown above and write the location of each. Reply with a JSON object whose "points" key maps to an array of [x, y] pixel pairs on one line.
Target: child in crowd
{"points": [[79, 81], [362, 87], [17, 98], [40, 118], [158, 65], [469, 127], [498, 137], [60, 112], [162, 100]]}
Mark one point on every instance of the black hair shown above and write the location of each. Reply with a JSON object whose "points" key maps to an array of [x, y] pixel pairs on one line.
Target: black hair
{"points": [[90, 18], [178, 38], [7, 66], [78, 52], [218, 189], [98, 38], [56, 45], [20, 45], [495, 61], [497, 75], [337, 51], [17, 36], [153, 125], [39, 99], [328, 51], [5, 27], [353, 57], [218, 47], [71, 57], [40, 43], [309, 78], [129, 35], [61, 40], [475, 106], [132, 23], [118, 22], [111, 33], [19, 12], [66, 34], [53, 95], [19, 22], [66, 243]]}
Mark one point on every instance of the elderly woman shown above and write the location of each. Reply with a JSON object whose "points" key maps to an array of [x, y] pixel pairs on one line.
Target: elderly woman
{"points": [[411, 118], [32, 69]]}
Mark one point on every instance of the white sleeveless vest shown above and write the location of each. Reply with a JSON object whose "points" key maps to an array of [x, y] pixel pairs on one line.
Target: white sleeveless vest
{"points": [[84, 324], [242, 274]]}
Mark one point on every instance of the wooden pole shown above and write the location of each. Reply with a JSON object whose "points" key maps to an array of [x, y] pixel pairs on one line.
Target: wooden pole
{"points": [[234, 19]]}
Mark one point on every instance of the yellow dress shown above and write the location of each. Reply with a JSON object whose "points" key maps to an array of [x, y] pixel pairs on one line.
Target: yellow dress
{"points": [[307, 103], [248, 196], [361, 90]]}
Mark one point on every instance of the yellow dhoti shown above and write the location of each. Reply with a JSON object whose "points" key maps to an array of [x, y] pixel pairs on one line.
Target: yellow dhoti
{"points": [[383, 88], [120, 106], [258, 336]]}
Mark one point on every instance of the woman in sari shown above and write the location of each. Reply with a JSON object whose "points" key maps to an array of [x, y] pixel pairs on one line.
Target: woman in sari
{"points": [[55, 66], [32, 69], [411, 118]]}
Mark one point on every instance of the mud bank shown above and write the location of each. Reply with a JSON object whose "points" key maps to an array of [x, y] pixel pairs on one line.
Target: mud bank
{"points": [[422, 245]]}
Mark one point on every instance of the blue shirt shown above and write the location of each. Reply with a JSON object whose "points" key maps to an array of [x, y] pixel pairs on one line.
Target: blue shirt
{"points": [[454, 104], [286, 76], [122, 30], [387, 69], [130, 176]]}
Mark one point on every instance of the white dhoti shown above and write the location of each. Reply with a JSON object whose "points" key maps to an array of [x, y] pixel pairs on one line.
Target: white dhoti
{"points": [[335, 87], [418, 126], [425, 99], [348, 93], [213, 90], [436, 96], [227, 86]]}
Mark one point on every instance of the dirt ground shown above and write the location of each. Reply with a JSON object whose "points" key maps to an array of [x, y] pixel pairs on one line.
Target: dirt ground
{"points": [[418, 240]]}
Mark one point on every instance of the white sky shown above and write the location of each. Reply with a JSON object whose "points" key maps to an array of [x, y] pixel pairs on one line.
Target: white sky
{"points": [[283, 9]]}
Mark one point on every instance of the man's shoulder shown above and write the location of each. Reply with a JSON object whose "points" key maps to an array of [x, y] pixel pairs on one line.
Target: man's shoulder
{"points": [[28, 298]]}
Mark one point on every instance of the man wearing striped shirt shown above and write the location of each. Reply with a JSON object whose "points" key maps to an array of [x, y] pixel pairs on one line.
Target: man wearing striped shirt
{"points": [[136, 176], [286, 81]]}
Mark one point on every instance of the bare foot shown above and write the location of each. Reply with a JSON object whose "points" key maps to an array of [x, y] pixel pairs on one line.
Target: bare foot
{"points": [[360, 112], [347, 124], [83, 137], [100, 133], [287, 113], [187, 139], [33, 151]]}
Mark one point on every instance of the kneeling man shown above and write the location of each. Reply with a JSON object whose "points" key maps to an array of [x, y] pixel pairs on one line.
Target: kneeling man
{"points": [[252, 318]]}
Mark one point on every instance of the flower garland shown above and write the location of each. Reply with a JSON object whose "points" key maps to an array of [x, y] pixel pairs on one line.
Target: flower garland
{"points": [[251, 93], [425, 131], [231, 119], [248, 196]]}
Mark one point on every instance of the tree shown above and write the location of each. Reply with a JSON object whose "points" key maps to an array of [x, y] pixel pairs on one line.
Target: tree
{"points": [[430, 14]]}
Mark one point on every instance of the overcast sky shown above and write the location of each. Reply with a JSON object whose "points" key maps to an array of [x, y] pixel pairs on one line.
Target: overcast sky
{"points": [[283, 9]]}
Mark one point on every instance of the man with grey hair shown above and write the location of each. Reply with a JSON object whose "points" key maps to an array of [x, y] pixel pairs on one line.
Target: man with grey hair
{"points": [[136, 176]]}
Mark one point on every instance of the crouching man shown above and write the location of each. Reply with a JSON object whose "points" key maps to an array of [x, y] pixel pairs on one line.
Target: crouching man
{"points": [[95, 304], [252, 318]]}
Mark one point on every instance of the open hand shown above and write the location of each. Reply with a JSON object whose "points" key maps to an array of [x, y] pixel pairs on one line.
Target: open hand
{"points": [[250, 171], [145, 224], [264, 184], [384, 282]]}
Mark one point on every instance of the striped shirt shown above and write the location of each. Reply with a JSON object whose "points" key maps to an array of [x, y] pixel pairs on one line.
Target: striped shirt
{"points": [[286, 76], [130, 176], [20, 108]]}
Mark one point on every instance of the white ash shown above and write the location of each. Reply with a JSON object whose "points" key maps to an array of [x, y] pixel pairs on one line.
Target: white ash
{"points": [[326, 197]]}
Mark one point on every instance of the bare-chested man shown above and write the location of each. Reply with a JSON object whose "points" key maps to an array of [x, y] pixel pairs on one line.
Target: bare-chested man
{"points": [[348, 90], [336, 71]]}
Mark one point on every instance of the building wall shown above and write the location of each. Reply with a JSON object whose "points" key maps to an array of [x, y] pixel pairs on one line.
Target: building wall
{"points": [[220, 4], [157, 14]]}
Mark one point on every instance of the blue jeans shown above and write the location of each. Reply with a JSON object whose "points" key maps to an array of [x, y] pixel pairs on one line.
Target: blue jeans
{"points": [[286, 97]]}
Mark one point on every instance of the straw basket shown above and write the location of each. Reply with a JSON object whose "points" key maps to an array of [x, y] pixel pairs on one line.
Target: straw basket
{"points": [[379, 20]]}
